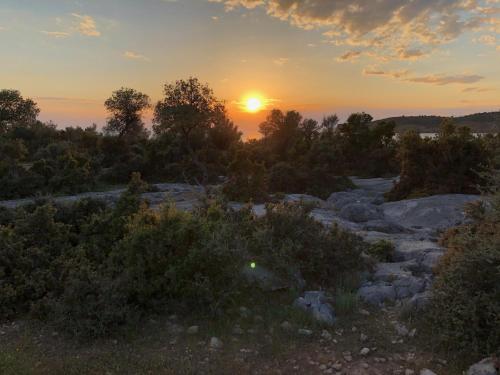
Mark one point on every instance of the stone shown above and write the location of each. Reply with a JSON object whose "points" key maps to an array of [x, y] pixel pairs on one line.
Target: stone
{"points": [[437, 212], [363, 337], [315, 303], [486, 367], [286, 326], [409, 372], [337, 366], [216, 343], [193, 330], [419, 301], [304, 332], [364, 351], [377, 293], [263, 278], [326, 335], [360, 212], [426, 371]]}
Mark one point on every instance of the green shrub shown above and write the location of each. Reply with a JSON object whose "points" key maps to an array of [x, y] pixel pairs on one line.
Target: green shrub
{"points": [[288, 240], [465, 309], [382, 250]]}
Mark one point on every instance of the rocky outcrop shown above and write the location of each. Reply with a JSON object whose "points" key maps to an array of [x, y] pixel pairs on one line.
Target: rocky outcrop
{"points": [[487, 366], [316, 304]]}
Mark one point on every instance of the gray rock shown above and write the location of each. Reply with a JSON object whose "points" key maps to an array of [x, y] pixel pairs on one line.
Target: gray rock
{"points": [[419, 301], [407, 249], [305, 332], [486, 367], [426, 371], [406, 287], [193, 330], [263, 278], [375, 185], [377, 293], [384, 226], [316, 304], [436, 212], [216, 343], [303, 198], [360, 212]]}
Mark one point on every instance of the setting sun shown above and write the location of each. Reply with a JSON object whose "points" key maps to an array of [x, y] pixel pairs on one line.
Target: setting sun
{"points": [[253, 104]]}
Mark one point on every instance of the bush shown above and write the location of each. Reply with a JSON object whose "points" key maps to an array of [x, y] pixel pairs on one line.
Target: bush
{"points": [[382, 250], [288, 240], [465, 310]]}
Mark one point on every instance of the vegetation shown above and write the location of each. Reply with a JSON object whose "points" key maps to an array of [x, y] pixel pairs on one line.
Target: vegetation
{"points": [[92, 268], [466, 296], [449, 163]]}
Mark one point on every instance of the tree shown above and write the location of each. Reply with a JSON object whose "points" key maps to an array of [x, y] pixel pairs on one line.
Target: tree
{"points": [[15, 110], [188, 112], [126, 107]]}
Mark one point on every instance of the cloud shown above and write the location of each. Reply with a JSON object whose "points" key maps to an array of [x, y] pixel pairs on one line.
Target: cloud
{"points": [[434, 79], [382, 26], [442, 79], [135, 56], [281, 61], [489, 40], [87, 25], [56, 34], [349, 56], [477, 89]]}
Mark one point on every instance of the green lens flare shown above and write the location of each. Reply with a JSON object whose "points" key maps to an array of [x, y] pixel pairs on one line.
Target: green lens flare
{"points": [[252, 265]]}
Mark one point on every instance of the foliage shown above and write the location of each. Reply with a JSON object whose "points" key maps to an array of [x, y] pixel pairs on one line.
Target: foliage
{"points": [[465, 310], [14, 109], [450, 163], [382, 250], [125, 107]]}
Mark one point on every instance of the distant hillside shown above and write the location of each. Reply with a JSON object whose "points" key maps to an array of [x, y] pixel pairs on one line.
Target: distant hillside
{"points": [[487, 122]]}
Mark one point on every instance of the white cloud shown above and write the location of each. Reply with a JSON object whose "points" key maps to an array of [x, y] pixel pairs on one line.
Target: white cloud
{"points": [[87, 25], [381, 27], [56, 34], [135, 56], [281, 61]]}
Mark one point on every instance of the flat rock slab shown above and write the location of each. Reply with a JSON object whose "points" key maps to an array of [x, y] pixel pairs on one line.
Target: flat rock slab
{"points": [[437, 212]]}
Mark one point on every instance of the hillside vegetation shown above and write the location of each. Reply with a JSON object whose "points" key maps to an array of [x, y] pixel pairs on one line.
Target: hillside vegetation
{"points": [[487, 122]]}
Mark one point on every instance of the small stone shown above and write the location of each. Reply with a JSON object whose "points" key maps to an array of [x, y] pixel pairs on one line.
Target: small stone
{"points": [[413, 332], [364, 312], [426, 371], [305, 332], [322, 367], [237, 330], [363, 337], [326, 335], [354, 329], [286, 326], [347, 356], [193, 330], [409, 372], [365, 365], [216, 343], [172, 317], [337, 366], [364, 351]]}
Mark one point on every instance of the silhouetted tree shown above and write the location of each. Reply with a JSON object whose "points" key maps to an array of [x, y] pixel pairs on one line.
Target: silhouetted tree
{"points": [[15, 110], [126, 107]]}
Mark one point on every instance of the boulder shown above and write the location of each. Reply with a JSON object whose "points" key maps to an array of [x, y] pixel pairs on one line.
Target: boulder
{"points": [[384, 226], [407, 287], [437, 212], [315, 303], [376, 294], [419, 301], [487, 366], [360, 212]]}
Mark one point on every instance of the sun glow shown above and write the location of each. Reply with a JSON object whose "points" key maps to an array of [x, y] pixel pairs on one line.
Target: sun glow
{"points": [[253, 104]]}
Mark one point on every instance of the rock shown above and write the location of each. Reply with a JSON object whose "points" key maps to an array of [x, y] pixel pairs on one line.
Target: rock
{"points": [[384, 226], [326, 335], [347, 356], [406, 287], [486, 367], [360, 212], [363, 337], [303, 198], [374, 185], [193, 330], [315, 303], [237, 330], [419, 301], [436, 212], [409, 372], [427, 372], [337, 366], [263, 278], [377, 294], [216, 343], [286, 326], [364, 351], [401, 329], [304, 332]]}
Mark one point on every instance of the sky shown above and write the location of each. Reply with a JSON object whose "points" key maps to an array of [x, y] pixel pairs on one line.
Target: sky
{"points": [[384, 57]]}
